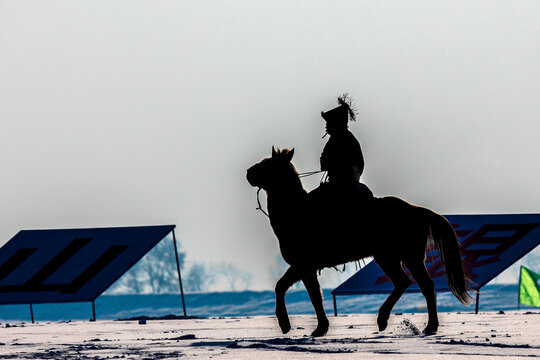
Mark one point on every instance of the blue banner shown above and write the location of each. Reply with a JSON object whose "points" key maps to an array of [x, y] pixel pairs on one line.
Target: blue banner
{"points": [[70, 265], [489, 245]]}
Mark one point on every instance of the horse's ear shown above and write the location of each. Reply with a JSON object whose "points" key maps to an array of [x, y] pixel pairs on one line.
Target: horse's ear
{"points": [[288, 154], [274, 152]]}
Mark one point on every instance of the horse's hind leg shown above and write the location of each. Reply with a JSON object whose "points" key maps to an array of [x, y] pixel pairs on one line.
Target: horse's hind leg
{"points": [[291, 276], [314, 290], [421, 276], [393, 269]]}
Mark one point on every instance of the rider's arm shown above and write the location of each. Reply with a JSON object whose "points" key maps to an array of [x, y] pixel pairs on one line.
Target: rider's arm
{"points": [[357, 157], [325, 156]]}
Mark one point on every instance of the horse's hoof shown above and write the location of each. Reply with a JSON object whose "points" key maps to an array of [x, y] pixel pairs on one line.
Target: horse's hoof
{"points": [[285, 325], [430, 329], [320, 331], [382, 322]]}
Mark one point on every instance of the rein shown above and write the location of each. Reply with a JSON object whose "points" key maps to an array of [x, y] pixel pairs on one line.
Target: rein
{"points": [[309, 173], [260, 207]]}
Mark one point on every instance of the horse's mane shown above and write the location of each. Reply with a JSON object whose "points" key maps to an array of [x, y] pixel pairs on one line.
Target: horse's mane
{"points": [[287, 153]]}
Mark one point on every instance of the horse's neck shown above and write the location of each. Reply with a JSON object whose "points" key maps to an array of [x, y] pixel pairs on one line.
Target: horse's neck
{"points": [[286, 201], [286, 209]]}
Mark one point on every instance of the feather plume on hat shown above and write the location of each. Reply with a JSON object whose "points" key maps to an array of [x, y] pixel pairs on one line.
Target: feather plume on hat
{"points": [[345, 109]]}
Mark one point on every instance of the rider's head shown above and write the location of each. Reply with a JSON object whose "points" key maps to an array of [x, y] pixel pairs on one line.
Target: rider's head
{"points": [[337, 118]]}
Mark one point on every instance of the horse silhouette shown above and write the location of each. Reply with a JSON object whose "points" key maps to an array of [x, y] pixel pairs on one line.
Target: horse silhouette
{"points": [[316, 232]]}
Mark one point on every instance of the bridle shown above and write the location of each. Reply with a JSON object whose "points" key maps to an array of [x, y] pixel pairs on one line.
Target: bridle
{"points": [[300, 175], [259, 202]]}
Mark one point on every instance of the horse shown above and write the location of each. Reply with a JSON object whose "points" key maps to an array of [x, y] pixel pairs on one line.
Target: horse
{"points": [[314, 234]]}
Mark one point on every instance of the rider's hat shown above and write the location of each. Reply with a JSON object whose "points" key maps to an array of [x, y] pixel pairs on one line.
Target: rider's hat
{"points": [[342, 113], [338, 113]]}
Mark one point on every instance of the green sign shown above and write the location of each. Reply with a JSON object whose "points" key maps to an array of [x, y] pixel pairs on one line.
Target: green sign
{"points": [[529, 290]]}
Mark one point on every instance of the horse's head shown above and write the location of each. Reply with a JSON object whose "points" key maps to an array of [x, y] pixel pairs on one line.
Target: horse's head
{"points": [[270, 171]]}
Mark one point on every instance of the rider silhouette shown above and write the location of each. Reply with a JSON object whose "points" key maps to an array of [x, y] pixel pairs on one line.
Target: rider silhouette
{"points": [[342, 197], [342, 156]]}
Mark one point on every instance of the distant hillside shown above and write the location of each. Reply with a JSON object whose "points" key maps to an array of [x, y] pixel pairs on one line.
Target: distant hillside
{"points": [[248, 303]]}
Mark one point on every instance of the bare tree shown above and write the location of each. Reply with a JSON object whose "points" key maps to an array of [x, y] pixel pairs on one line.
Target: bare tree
{"points": [[199, 278], [155, 273], [237, 279]]}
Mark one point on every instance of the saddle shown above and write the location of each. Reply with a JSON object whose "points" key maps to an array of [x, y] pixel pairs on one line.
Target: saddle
{"points": [[350, 197]]}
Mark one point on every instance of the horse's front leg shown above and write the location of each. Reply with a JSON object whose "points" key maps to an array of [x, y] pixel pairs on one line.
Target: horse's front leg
{"points": [[288, 279], [314, 290]]}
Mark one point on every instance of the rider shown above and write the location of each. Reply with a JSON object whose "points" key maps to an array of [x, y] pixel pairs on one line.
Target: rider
{"points": [[343, 160], [342, 198], [342, 156]]}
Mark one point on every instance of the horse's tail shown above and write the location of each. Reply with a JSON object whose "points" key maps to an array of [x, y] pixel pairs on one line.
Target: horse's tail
{"points": [[447, 244]]}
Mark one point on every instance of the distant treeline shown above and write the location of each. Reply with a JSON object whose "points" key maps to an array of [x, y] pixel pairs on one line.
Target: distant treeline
{"points": [[156, 273]]}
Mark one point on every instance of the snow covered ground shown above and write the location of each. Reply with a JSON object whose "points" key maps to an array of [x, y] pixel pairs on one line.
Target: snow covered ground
{"points": [[490, 335]]}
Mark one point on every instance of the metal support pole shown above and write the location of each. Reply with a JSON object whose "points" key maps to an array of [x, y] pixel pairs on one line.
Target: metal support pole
{"points": [[477, 300], [519, 288], [93, 310], [31, 313], [335, 305], [179, 276]]}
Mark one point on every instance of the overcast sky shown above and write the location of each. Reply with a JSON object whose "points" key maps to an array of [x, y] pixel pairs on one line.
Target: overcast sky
{"points": [[119, 113]]}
